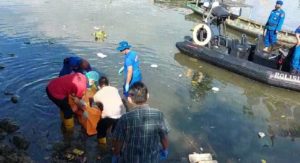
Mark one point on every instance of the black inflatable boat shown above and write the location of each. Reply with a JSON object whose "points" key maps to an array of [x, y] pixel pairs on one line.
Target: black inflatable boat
{"points": [[247, 60], [238, 55]]}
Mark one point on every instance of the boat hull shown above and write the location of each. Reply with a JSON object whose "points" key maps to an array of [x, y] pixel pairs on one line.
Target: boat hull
{"points": [[241, 66]]}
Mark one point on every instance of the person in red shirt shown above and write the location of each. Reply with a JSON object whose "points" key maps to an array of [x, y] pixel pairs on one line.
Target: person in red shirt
{"points": [[58, 91]]}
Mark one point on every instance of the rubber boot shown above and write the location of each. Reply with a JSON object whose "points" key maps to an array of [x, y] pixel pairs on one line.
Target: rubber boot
{"points": [[102, 141], [266, 49], [69, 124]]}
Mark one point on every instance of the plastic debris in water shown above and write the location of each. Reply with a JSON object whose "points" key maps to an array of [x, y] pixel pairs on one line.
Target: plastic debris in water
{"points": [[100, 35], [78, 152], [203, 157], [215, 89], [96, 28], [180, 75], [101, 55], [263, 161], [261, 134], [283, 116], [154, 65]]}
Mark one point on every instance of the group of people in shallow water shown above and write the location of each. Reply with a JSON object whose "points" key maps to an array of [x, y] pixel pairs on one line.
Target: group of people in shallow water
{"points": [[138, 135], [273, 27]]}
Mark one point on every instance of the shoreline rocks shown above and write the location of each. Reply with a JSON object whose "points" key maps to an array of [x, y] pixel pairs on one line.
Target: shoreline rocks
{"points": [[12, 150]]}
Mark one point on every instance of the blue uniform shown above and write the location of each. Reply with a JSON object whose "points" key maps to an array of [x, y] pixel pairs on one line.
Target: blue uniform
{"points": [[296, 58], [131, 59], [71, 64], [274, 24]]}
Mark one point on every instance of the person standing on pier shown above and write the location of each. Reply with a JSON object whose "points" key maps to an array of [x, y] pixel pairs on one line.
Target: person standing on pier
{"points": [[273, 26]]}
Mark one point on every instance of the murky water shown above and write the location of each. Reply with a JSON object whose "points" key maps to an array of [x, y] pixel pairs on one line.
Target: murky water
{"points": [[225, 123]]}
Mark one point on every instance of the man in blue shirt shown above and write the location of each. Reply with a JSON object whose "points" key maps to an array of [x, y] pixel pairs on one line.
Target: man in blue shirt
{"points": [[296, 56], [273, 26], [131, 68], [75, 64]]}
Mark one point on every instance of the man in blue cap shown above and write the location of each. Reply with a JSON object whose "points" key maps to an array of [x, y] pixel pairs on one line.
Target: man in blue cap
{"points": [[75, 64], [273, 26], [131, 68]]}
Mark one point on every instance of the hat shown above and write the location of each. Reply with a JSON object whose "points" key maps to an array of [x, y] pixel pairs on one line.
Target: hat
{"points": [[93, 75], [279, 2], [123, 45]]}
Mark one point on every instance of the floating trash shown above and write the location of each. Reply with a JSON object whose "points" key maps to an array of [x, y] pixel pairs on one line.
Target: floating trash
{"points": [[101, 55], [283, 116], [27, 42], [215, 89], [261, 134], [96, 28], [203, 157], [180, 75], [100, 35], [154, 65], [78, 152]]}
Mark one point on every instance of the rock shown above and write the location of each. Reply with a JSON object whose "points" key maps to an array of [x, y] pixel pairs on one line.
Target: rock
{"points": [[11, 54], [6, 150], [3, 134], [14, 99], [2, 66], [24, 159], [8, 93], [20, 142], [2, 159], [8, 125], [12, 158], [50, 42]]}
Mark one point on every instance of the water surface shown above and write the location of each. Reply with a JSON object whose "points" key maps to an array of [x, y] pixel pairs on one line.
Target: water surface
{"points": [[42, 32]]}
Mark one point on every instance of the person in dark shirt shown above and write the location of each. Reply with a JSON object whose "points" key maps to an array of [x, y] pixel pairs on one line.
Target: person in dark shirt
{"points": [[75, 64]]}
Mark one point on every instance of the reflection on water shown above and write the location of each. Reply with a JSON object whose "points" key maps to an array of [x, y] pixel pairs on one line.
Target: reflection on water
{"points": [[41, 33], [247, 107]]}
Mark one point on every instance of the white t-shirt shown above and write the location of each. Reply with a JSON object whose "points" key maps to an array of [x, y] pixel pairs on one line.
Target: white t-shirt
{"points": [[112, 103]]}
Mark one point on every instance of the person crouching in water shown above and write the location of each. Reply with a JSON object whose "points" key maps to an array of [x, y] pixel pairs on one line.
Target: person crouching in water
{"points": [[59, 90], [109, 98], [73, 65], [141, 134]]}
